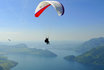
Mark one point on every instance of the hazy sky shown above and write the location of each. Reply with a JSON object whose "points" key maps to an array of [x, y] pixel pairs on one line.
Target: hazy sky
{"points": [[83, 19]]}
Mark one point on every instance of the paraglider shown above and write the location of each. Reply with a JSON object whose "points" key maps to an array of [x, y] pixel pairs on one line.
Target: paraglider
{"points": [[9, 40], [47, 41], [45, 4]]}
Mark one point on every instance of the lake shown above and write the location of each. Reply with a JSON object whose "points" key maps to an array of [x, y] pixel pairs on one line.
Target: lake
{"points": [[29, 62]]}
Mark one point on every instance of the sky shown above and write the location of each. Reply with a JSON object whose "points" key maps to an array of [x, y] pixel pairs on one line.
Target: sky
{"points": [[83, 19]]}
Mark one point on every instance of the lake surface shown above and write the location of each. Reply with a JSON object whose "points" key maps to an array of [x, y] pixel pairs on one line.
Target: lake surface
{"points": [[29, 62]]}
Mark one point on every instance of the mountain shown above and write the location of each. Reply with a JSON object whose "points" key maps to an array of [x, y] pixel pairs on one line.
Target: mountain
{"points": [[94, 56], [93, 43], [24, 50]]}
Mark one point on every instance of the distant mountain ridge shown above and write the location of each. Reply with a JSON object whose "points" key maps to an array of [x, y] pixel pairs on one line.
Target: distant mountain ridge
{"points": [[23, 49], [92, 43], [22, 45]]}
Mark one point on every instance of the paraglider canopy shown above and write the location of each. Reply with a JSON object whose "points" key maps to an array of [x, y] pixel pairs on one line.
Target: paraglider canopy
{"points": [[9, 40], [45, 4]]}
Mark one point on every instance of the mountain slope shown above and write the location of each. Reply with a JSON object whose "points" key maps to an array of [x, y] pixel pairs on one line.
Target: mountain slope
{"points": [[94, 56], [93, 43]]}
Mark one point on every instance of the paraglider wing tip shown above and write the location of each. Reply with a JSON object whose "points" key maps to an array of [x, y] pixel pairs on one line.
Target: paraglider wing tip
{"points": [[63, 9], [36, 15]]}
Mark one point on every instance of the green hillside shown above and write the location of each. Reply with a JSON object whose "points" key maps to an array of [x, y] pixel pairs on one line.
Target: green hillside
{"points": [[6, 64], [94, 56]]}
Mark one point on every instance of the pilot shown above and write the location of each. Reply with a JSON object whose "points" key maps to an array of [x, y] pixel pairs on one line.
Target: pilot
{"points": [[47, 41]]}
